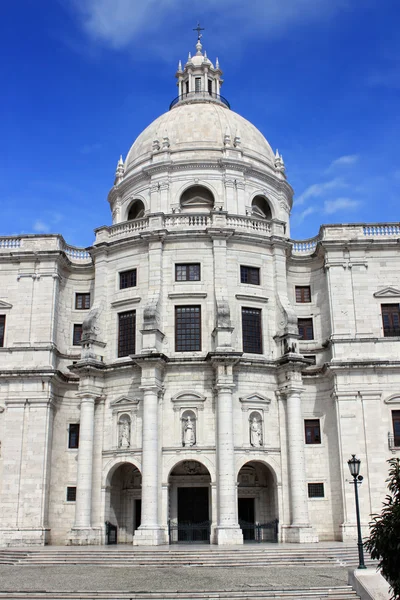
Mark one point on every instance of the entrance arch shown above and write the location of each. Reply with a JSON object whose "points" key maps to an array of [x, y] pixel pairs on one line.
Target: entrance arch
{"points": [[189, 502], [257, 502], [124, 505]]}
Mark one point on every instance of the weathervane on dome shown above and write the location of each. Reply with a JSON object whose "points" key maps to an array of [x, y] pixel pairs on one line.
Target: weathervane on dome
{"points": [[198, 29]]}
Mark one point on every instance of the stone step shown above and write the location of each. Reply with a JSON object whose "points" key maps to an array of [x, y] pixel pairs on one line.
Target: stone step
{"points": [[334, 593]]}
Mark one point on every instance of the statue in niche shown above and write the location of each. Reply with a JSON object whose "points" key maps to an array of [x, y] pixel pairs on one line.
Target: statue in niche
{"points": [[124, 432], [255, 433], [189, 435]]}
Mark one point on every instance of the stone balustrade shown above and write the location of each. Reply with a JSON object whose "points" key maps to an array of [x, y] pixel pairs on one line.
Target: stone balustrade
{"points": [[196, 221], [346, 232], [33, 243]]}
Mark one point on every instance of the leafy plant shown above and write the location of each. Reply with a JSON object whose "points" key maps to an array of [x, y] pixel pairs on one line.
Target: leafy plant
{"points": [[383, 543]]}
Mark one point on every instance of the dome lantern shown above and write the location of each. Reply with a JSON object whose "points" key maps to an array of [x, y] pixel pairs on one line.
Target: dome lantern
{"points": [[199, 80]]}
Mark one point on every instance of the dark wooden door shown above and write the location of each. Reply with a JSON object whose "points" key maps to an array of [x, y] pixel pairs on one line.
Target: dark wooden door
{"points": [[193, 504]]}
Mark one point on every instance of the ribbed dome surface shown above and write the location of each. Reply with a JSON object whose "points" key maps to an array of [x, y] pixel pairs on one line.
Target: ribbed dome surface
{"points": [[198, 126]]}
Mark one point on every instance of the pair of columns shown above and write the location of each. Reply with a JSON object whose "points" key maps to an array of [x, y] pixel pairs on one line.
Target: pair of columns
{"points": [[228, 531]]}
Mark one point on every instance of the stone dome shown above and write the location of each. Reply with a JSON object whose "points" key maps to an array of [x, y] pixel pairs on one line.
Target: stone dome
{"points": [[197, 126]]}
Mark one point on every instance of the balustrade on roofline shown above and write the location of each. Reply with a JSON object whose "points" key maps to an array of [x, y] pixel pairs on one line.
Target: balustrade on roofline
{"points": [[305, 246], [381, 229], [190, 220], [11, 242]]}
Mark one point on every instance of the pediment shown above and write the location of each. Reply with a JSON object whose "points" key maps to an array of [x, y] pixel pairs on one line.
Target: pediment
{"points": [[125, 401], [388, 292], [255, 399], [196, 201], [189, 399], [393, 399], [4, 305]]}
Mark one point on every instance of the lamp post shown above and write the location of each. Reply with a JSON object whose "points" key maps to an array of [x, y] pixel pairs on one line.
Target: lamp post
{"points": [[354, 466]]}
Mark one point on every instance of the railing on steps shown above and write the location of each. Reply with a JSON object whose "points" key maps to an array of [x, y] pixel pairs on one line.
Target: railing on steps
{"points": [[260, 532], [189, 533], [111, 533]]}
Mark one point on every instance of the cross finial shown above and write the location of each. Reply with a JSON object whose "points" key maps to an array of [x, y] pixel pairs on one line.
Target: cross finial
{"points": [[198, 29]]}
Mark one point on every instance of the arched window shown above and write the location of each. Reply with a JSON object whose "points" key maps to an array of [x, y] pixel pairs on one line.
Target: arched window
{"points": [[261, 208], [197, 199], [188, 429], [136, 210]]}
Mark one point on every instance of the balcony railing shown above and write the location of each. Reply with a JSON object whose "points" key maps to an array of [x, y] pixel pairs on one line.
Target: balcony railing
{"points": [[391, 331], [394, 441], [201, 96], [306, 246]]}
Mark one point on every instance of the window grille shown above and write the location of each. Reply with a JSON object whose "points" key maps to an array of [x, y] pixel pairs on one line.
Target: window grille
{"points": [[187, 272], [197, 84], [391, 320], [82, 301], [71, 494], [77, 335], [2, 329], [316, 490], [126, 333], [127, 279], [187, 328], [303, 293], [306, 329], [73, 435], [251, 330], [250, 275], [312, 431]]}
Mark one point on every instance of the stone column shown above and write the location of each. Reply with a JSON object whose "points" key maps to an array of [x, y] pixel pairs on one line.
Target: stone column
{"points": [[228, 531], [300, 529], [150, 532]]}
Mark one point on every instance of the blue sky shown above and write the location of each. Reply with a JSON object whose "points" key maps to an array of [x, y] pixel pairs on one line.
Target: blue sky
{"points": [[82, 78]]}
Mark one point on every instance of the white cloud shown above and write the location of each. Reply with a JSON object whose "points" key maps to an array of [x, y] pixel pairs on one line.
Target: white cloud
{"points": [[344, 161], [320, 189], [40, 226], [305, 213], [333, 206], [117, 23]]}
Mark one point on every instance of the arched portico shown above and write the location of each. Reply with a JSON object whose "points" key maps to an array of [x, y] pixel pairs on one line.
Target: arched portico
{"points": [[257, 500], [123, 500], [190, 512]]}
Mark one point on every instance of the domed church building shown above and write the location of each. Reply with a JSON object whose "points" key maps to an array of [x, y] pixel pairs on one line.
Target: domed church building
{"points": [[197, 375]]}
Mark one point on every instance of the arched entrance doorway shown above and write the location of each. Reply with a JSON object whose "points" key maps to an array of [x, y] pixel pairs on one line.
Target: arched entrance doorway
{"points": [[189, 503], [257, 503], [124, 493]]}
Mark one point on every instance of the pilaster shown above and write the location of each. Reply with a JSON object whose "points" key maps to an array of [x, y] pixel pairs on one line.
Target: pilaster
{"points": [[291, 388], [227, 531]]}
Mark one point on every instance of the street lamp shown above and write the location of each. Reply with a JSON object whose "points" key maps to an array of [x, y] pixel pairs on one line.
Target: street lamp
{"points": [[354, 466]]}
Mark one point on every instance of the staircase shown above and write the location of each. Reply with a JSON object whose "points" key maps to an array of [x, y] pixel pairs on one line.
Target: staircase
{"points": [[190, 556], [336, 593]]}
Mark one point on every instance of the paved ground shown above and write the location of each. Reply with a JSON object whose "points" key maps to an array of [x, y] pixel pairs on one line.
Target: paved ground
{"points": [[138, 579]]}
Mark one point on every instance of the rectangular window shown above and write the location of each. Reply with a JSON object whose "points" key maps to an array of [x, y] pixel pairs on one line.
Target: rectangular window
{"points": [[187, 272], [250, 275], [396, 427], [73, 435], [316, 490], [210, 87], [2, 329], [187, 328], [251, 330], [77, 335], [312, 358], [391, 320], [306, 329], [126, 333], [312, 431], [127, 279], [71, 494], [303, 293], [82, 301], [197, 84]]}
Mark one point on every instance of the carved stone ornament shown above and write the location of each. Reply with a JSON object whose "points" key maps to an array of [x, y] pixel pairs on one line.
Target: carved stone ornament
{"points": [[191, 467]]}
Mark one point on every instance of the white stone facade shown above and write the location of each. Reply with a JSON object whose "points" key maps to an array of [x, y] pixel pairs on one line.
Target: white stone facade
{"points": [[200, 186]]}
